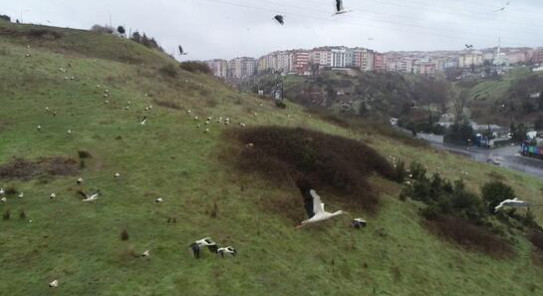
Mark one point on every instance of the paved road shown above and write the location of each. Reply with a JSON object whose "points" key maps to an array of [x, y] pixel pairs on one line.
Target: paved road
{"points": [[508, 156]]}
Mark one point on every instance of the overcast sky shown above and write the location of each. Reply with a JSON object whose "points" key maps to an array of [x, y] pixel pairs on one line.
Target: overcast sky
{"points": [[230, 28]]}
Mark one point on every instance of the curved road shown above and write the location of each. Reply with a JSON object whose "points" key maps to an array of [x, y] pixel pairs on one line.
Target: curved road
{"points": [[508, 156]]}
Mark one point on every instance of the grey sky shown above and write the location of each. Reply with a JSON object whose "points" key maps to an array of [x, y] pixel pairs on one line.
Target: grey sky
{"points": [[229, 28]]}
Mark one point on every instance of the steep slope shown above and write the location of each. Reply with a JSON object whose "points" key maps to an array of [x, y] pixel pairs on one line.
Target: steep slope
{"points": [[79, 243]]}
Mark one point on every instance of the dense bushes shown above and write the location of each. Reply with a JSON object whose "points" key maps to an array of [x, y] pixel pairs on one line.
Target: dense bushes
{"points": [[495, 192], [196, 67], [462, 216], [471, 236], [326, 161]]}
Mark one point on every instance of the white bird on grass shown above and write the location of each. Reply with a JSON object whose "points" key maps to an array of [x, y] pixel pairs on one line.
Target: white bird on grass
{"points": [[53, 284], [2, 192], [358, 223], [515, 203], [91, 197], [158, 200], [199, 244], [146, 253], [3, 200], [319, 214], [53, 195], [79, 180], [116, 175], [227, 250], [21, 194], [143, 120]]}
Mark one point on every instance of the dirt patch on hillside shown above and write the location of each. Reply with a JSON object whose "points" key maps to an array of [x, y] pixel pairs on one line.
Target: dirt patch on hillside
{"points": [[22, 169], [331, 163], [471, 237]]}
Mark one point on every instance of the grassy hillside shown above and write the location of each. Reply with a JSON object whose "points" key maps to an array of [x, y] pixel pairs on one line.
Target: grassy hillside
{"points": [[499, 100], [79, 243]]}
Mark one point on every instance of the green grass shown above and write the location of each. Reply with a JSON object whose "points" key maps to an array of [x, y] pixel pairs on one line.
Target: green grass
{"points": [[79, 243]]}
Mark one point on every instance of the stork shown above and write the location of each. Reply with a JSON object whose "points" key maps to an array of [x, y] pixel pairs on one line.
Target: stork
{"points": [[227, 250], [91, 197], [339, 8], [181, 51], [358, 223], [143, 120], [315, 208], [515, 203], [280, 19], [205, 242]]}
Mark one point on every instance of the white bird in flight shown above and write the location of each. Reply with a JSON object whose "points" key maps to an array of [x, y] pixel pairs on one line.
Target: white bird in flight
{"points": [[515, 202], [91, 197], [318, 209], [227, 250]]}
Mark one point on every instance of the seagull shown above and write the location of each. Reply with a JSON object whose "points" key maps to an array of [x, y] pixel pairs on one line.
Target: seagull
{"points": [[79, 180], [143, 120], [318, 213], [181, 51], [515, 202], [53, 284], [205, 242], [53, 195], [92, 197], [358, 223], [160, 199], [227, 250], [116, 175], [280, 19], [339, 8]]}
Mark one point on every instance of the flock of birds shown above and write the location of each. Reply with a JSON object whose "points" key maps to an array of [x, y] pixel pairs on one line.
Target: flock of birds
{"points": [[312, 201], [339, 9]]}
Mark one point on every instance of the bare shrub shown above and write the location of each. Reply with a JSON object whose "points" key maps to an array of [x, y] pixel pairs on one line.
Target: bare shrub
{"points": [[470, 236], [328, 162]]}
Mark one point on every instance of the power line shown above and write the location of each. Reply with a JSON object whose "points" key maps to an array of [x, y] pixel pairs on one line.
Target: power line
{"points": [[430, 32]]}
